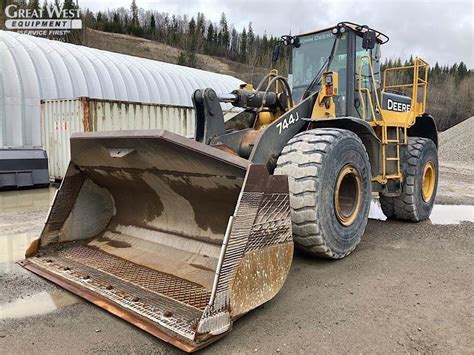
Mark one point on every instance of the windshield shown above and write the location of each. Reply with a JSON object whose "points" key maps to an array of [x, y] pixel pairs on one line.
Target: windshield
{"points": [[308, 59]]}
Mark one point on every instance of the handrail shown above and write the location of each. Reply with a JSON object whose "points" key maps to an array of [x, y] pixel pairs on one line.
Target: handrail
{"points": [[418, 81], [360, 89]]}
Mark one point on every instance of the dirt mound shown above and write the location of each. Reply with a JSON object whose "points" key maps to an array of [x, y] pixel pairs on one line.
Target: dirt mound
{"points": [[456, 145]]}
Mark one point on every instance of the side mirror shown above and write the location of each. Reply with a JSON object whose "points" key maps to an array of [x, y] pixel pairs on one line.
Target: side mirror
{"points": [[369, 40], [296, 42], [275, 53]]}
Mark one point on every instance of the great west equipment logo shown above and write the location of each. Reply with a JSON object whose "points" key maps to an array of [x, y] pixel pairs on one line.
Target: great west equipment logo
{"points": [[54, 20]]}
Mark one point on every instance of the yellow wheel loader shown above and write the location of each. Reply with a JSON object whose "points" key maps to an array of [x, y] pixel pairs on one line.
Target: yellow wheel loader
{"points": [[183, 236]]}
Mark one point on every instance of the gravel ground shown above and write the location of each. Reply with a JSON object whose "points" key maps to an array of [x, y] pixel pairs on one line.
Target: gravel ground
{"points": [[406, 288]]}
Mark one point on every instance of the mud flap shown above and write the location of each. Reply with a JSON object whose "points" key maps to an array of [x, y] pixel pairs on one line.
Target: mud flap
{"points": [[174, 236]]}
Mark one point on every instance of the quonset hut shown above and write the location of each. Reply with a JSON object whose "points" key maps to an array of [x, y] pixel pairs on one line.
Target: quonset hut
{"points": [[34, 69]]}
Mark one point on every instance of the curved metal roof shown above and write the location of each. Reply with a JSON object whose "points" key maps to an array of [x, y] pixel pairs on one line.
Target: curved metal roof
{"points": [[33, 69]]}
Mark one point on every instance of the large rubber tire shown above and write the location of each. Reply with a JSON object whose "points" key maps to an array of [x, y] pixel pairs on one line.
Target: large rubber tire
{"points": [[313, 160], [410, 205]]}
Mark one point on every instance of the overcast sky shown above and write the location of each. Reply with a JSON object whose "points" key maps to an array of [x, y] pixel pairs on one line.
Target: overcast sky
{"points": [[436, 30]]}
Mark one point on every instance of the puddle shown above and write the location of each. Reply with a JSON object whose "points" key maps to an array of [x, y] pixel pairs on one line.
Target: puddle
{"points": [[441, 214], [22, 216], [24, 200], [38, 304], [12, 249], [452, 214]]}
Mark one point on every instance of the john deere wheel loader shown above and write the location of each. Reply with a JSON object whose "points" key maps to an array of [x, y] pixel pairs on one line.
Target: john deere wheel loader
{"points": [[183, 236]]}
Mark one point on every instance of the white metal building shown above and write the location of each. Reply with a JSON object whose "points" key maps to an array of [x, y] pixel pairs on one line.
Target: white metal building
{"points": [[32, 69]]}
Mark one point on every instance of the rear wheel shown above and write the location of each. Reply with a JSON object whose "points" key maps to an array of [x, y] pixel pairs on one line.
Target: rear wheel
{"points": [[420, 182], [330, 188]]}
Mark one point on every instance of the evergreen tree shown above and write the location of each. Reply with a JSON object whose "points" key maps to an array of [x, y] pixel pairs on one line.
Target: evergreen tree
{"points": [[265, 50], [243, 46], [116, 25], [210, 33], [454, 69], [251, 47], [192, 34], [191, 59], [3, 5], [57, 5], [181, 59], [234, 43], [44, 9], [174, 31], [224, 32], [69, 5], [462, 71], [251, 37], [209, 45], [34, 5], [134, 12], [152, 23], [201, 24], [436, 71], [99, 22]]}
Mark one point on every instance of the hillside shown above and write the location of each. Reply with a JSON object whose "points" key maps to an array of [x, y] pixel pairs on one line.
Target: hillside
{"points": [[144, 48]]}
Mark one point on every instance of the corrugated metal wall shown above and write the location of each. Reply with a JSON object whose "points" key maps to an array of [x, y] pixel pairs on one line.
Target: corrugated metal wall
{"points": [[61, 118], [32, 69]]}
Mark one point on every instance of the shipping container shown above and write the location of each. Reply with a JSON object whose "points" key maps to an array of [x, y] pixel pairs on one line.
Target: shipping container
{"points": [[61, 118]]}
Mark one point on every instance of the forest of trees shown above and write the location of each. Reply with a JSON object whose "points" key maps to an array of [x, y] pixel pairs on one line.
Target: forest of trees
{"points": [[450, 93], [190, 34]]}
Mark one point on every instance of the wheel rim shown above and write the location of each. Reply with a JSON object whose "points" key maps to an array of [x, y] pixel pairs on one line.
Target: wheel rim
{"points": [[428, 181], [348, 195]]}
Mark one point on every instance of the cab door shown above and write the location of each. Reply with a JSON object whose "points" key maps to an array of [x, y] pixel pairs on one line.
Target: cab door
{"points": [[367, 80]]}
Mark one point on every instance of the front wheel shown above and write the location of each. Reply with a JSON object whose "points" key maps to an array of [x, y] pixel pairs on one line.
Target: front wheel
{"points": [[330, 189]]}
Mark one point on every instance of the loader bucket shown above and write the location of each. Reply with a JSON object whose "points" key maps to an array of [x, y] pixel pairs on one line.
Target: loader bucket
{"points": [[174, 236]]}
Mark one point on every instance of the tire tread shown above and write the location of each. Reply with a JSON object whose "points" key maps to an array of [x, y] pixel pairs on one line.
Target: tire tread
{"points": [[301, 160], [403, 207]]}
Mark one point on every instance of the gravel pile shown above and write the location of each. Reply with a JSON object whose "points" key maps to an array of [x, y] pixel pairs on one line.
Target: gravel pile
{"points": [[457, 143]]}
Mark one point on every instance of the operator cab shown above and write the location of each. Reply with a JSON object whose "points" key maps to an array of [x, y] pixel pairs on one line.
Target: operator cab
{"points": [[338, 49]]}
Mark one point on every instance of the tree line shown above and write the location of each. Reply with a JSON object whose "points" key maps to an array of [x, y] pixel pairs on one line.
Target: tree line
{"points": [[195, 34]]}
